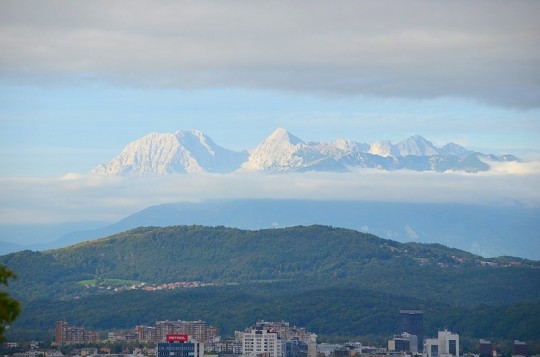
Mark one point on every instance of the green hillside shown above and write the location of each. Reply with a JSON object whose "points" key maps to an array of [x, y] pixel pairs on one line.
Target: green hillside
{"points": [[334, 281]]}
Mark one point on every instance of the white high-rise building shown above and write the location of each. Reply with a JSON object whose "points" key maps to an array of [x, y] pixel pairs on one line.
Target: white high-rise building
{"points": [[290, 333], [262, 342], [445, 345]]}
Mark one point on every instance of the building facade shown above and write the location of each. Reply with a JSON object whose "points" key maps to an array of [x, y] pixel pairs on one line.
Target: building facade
{"points": [[179, 345], [296, 348], [262, 341], [297, 335], [403, 343], [445, 345], [520, 348], [485, 348], [412, 322], [67, 334], [198, 330]]}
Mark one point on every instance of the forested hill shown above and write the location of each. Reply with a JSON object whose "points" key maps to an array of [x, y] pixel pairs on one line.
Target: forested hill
{"points": [[315, 254], [297, 259]]}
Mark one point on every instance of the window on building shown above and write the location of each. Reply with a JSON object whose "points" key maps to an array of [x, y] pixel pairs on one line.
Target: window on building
{"points": [[452, 347]]}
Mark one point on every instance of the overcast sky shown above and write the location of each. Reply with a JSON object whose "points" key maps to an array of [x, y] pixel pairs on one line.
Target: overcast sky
{"points": [[80, 80]]}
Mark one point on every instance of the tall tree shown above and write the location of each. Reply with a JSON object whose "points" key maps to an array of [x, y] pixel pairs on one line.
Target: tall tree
{"points": [[9, 307]]}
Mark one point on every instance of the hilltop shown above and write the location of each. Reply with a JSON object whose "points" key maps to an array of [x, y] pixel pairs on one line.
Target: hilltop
{"points": [[337, 277]]}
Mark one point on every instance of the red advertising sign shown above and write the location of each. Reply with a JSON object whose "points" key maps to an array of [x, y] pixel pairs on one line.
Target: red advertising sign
{"points": [[177, 338]]}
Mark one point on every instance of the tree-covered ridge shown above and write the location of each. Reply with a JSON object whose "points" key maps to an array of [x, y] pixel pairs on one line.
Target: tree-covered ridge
{"points": [[321, 277], [323, 255]]}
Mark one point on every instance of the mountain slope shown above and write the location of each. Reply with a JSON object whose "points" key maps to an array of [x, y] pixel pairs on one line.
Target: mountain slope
{"points": [[416, 146], [484, 230], [278, 152], [192, 151], [314, 253], [320, 277], [188, 151]]}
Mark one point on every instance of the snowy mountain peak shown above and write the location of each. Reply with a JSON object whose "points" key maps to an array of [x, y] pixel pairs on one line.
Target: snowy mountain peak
{"points": [[281, 136], [191, 151], [149, 154], [276, 152], [187, 151], [417, 146], [196, 140], [454, 149], [347, 145], [381, 148]]}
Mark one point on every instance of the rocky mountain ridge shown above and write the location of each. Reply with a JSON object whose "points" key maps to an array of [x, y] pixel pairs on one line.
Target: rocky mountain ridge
{"points": [[191, 151], [185, 151]]}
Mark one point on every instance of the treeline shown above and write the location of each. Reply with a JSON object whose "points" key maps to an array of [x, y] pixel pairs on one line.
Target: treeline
{"points": [[329, 311], [336, 281], [314, 255]]}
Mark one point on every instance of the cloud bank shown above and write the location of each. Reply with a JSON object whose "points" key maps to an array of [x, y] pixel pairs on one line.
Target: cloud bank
{"points": [[487, 51], [104, 198]]}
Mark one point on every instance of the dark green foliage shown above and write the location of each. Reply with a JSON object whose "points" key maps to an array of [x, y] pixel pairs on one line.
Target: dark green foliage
{"points": [[9, 307], [333, 311], [333, 281]]}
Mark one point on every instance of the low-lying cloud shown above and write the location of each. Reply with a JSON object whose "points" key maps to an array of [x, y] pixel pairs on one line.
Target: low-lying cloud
{"points": [[104, 198]]}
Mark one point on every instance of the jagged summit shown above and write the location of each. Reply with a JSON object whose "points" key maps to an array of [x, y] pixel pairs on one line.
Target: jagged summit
{"points": [[191, 151], [281, 135], [278, 152], [454, 149], [417, 146], [185, 151]]}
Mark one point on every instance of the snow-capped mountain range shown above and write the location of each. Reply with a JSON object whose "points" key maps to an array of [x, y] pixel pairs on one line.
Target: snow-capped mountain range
{"points": [[191, 151]]}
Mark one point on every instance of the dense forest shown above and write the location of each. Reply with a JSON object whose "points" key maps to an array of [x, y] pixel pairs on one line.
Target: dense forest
{"points": [[333, 281]]}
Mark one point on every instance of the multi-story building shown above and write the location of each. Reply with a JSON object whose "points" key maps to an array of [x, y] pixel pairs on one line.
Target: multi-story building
{"points": [[198, 330], [262, 341], [180, 345], [122, 336], [296, 348], [226, 347], [485, 349], [146, 333], [66, 334], [445, 345], [403, 343], [520, 348], [292, 333], [412, 322]]}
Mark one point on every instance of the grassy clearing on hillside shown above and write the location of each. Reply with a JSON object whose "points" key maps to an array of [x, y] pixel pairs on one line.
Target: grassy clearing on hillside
{"points": [[111, 282]]}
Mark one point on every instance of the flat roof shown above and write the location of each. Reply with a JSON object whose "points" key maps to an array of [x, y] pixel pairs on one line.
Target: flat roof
{"points": [[411, 311]]}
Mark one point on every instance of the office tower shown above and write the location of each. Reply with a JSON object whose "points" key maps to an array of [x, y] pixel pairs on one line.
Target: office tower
{"points": [[412, 322]]}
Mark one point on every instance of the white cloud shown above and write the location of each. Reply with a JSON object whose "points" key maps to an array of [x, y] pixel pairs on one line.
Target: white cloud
{"points": [[102, 198], [512, 167], [412, 49]]}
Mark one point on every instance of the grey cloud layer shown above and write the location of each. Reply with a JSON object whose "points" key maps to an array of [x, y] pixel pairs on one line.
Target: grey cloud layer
{"points": [[484, 50]]}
